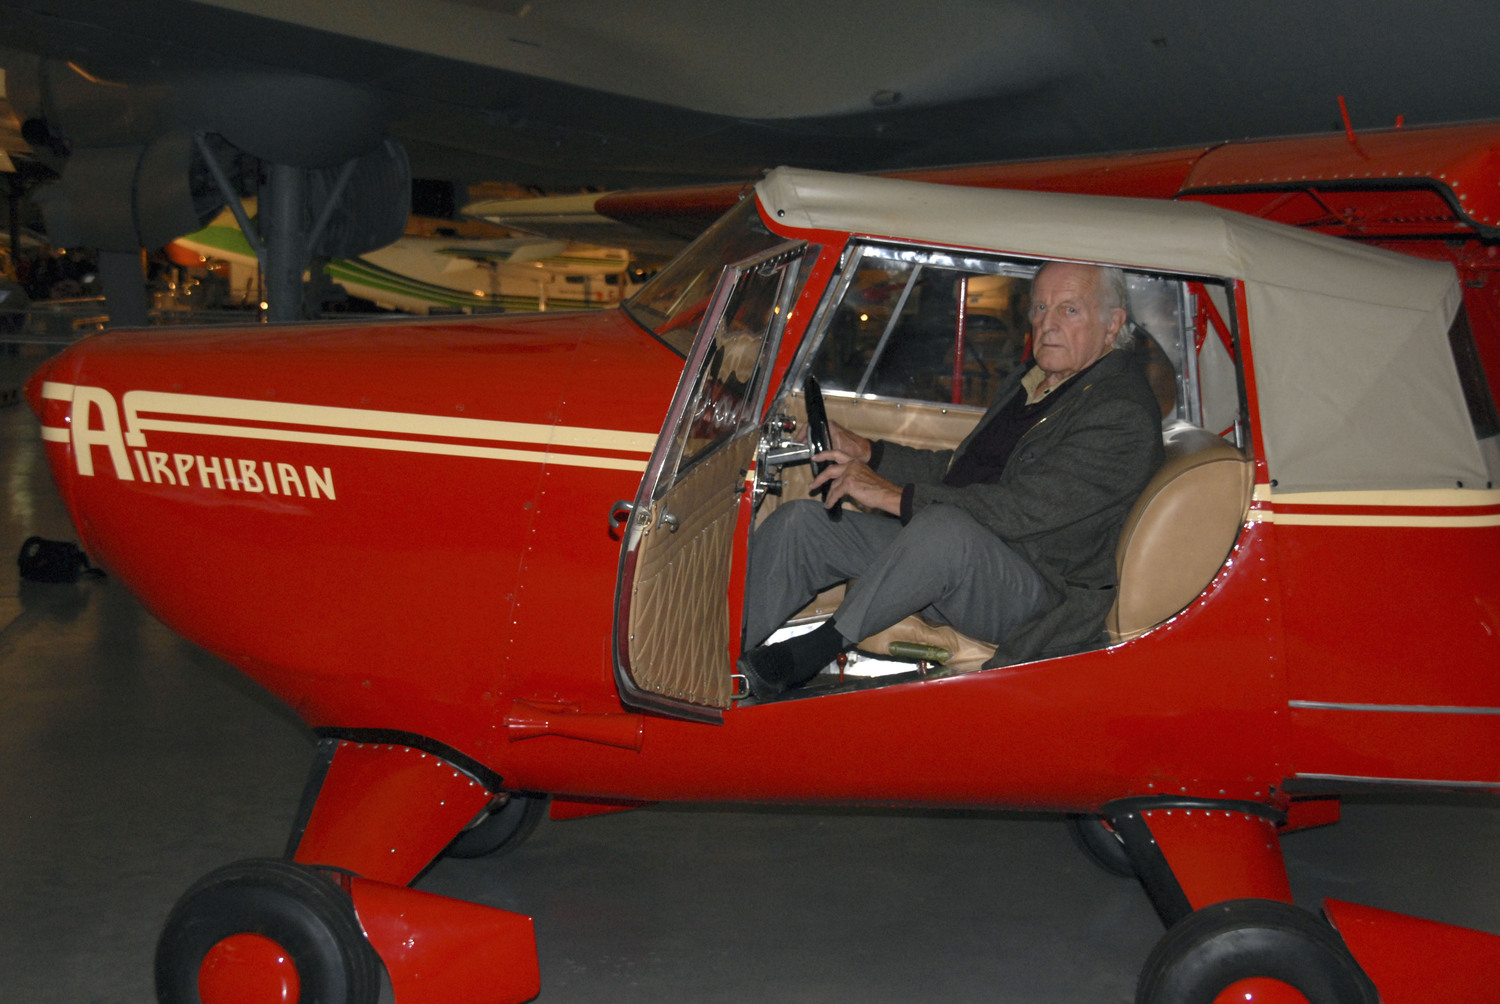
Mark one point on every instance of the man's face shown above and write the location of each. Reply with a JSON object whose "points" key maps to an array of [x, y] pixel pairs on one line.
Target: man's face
{"points": [[1069, 331]]}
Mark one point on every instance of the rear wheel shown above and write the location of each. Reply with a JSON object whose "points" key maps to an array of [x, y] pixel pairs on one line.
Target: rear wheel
{"points": [[263, 931], [1273, 950], [503, 830], [1102, 844]]}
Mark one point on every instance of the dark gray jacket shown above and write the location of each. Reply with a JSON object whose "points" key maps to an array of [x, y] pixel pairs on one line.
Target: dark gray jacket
{"points": [[1061, 499]]}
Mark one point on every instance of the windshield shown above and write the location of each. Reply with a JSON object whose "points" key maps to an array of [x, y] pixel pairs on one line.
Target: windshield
{"points": [[672, 303]]}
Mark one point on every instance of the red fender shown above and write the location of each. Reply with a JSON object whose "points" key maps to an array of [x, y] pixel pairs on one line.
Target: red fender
{"points": [[438, 950], [1415, 961]]}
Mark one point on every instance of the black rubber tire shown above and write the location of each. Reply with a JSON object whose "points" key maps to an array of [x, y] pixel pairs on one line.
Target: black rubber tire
{"points": [[1101, 845], [303, 911], [1214, 947], [503, 830]]}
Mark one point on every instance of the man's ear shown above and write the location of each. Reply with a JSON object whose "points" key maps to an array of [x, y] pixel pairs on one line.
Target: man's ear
{"points": [[1117, 318]]}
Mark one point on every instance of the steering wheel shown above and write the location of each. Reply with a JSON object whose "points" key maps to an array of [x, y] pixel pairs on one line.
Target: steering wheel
{"points": [[820, 437]]}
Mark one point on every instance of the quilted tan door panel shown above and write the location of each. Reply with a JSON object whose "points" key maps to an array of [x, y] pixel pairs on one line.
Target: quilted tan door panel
{"points": [[679, 619]]}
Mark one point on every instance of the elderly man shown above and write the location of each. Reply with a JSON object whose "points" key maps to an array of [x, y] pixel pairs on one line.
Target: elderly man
{"points": [[1010, 538]]}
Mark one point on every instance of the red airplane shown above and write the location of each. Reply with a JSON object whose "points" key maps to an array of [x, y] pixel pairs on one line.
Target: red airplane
{"points": [[494, 560]]}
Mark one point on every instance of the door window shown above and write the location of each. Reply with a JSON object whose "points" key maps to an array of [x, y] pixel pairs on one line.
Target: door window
{"points": [[722, 400]]}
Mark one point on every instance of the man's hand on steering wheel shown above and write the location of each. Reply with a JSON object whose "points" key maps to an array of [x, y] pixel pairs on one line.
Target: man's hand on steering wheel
{"points": [[845, 441], [852, 478], [851, 444]]}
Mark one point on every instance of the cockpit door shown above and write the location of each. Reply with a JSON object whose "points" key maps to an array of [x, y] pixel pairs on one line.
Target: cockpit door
{"points": [[671, 605]]}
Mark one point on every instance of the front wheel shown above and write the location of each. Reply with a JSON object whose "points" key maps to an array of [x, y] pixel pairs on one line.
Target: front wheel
{"points": [[1220, 952], [265, 930]]}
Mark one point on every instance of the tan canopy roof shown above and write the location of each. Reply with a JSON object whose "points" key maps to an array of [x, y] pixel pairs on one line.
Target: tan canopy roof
{"points": [[1357, 385]]}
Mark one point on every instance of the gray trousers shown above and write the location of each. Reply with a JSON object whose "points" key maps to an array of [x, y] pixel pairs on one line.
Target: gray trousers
{"points": [[943, 565]]}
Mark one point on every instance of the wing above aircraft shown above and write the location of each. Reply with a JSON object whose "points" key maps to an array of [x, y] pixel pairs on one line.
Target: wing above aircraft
{"points": [[156, 122], [590, 92], [1382, 184]]}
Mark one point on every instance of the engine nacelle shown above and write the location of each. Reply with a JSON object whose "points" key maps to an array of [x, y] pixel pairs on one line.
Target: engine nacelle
{"points": [[133, 176]]}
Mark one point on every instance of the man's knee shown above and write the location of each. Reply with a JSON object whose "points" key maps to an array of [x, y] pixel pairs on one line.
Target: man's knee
{"points": [[945, 531], [797, 520]]}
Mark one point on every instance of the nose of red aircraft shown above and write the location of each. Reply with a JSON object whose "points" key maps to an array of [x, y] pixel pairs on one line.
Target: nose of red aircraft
{"points": [[49, 392], [53, 370]]}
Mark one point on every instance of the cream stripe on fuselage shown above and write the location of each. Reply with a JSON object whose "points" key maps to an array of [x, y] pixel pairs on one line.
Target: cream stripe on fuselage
{"points": [[1354, 501], [366, 420], [139, 406], [398, 445]]}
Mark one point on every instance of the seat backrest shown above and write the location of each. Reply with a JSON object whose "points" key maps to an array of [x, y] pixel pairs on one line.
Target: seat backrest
{"points": [[1180, 530]]}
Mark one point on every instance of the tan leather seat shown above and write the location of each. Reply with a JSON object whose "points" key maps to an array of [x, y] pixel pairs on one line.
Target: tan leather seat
{"points": [[1174, 541], [1180, 530]]}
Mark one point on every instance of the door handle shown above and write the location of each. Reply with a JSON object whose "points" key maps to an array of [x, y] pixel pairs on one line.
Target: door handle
{"points": [[619, 515]]}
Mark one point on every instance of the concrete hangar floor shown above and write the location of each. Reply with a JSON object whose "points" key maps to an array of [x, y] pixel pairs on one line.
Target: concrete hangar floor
{"points": [[132, 762]]}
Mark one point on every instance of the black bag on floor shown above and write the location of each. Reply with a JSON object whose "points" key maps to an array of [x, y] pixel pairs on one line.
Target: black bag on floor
{"points": [[44, 560]]}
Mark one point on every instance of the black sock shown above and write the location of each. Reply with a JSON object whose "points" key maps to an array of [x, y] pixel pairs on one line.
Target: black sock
{"points": [[812, 651]]}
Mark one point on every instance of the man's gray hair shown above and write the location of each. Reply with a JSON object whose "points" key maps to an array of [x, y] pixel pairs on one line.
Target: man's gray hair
{"points": [[1114, 293]]}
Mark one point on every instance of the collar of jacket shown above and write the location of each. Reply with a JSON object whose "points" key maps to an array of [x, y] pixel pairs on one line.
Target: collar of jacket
{"points": [[1108, 365]]}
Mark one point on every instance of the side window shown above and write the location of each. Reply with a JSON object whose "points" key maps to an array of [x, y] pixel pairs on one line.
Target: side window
{"points": [[925, 327], [1212, 394], [1157, 327], [1184, 341], [943, 328]]}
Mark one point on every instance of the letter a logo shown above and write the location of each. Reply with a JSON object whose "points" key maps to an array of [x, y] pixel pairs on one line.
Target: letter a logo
{"points": [[86, 400]]}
